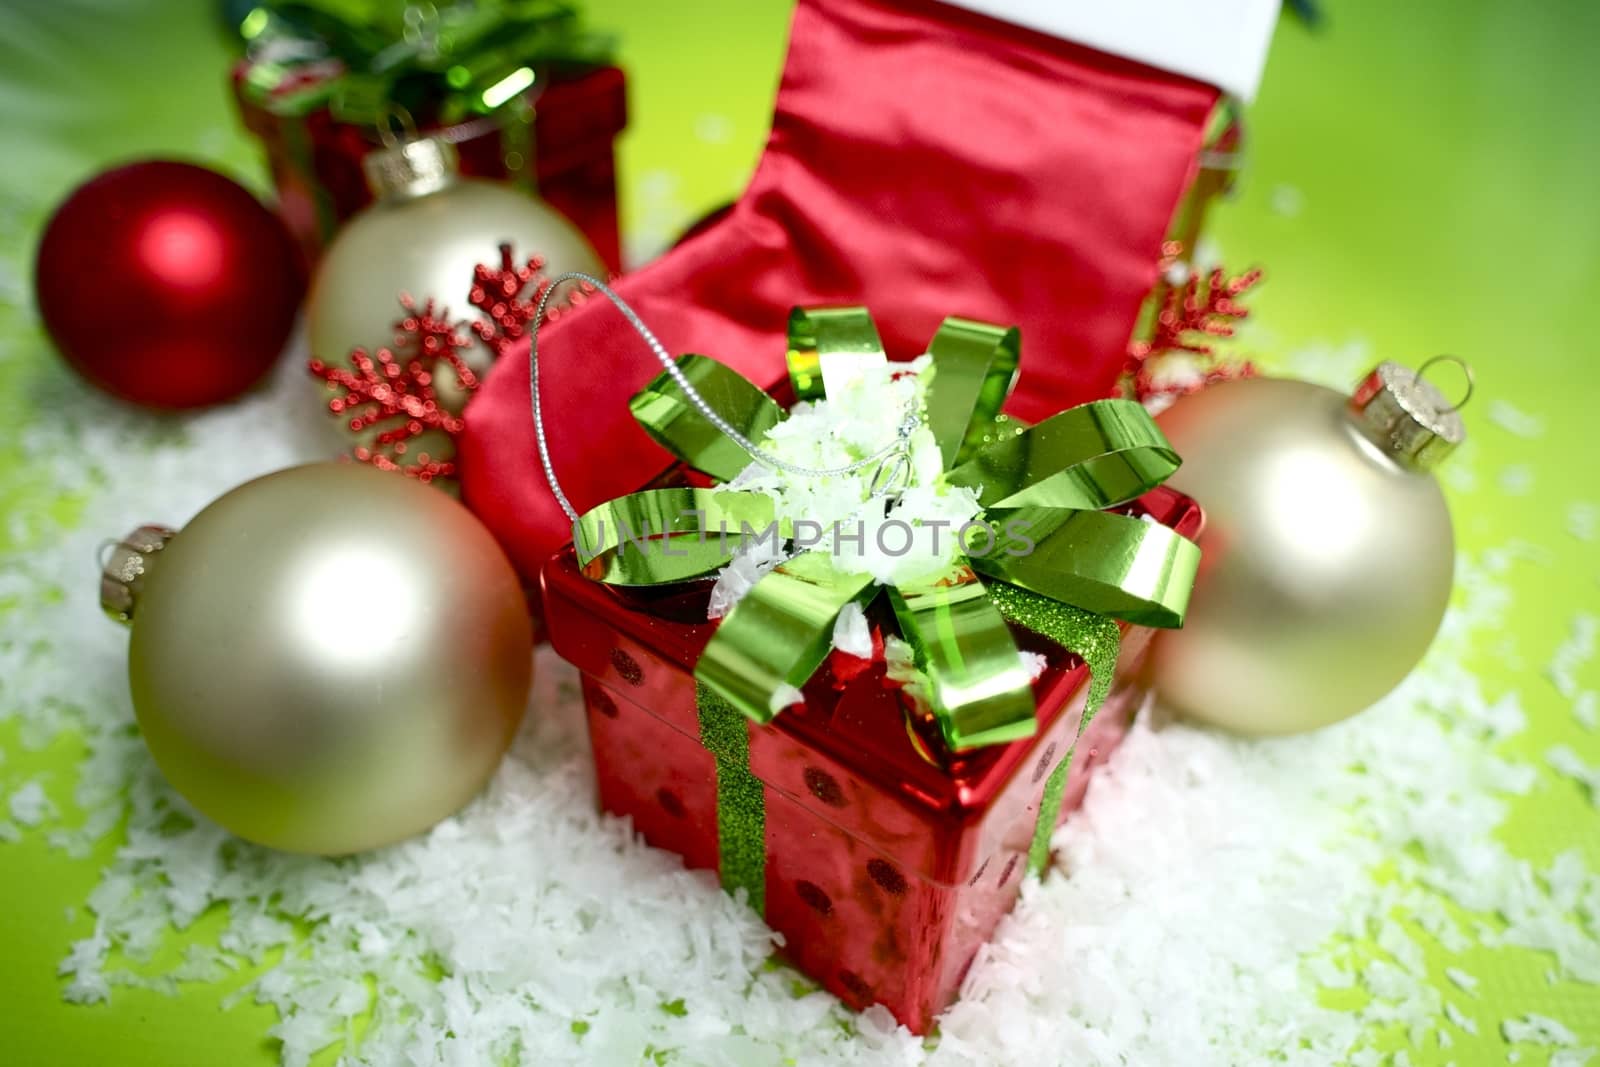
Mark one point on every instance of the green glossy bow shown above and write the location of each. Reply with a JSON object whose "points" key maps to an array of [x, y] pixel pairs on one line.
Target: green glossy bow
{"points": [[463, 59], [1053, 554]]}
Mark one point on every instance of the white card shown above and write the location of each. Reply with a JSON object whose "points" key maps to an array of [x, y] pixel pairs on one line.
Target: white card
{"points": [[1222, 42]]}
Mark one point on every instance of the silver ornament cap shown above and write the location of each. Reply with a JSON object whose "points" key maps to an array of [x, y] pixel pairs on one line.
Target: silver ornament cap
{"points": [[1406, 415], [411, 168], [123, 568]]}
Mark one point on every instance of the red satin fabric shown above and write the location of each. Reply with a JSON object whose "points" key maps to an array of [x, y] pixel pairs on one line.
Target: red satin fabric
{"points": [[924, 161]]}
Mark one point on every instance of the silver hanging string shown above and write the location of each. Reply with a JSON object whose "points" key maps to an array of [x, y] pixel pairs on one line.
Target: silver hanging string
{"points": [[899, 446]]}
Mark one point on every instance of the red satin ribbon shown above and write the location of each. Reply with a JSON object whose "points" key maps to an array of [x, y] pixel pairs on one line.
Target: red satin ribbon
{"points": [[924, 161]]}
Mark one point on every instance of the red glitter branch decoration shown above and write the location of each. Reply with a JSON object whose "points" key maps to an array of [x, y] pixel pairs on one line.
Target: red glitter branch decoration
{"points": [[400, 397], [427, 337], [394, 389], [499, 292], [1192, 314]]}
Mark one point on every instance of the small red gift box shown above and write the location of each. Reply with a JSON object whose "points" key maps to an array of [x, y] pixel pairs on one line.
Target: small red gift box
{"points": [[888, 861], [568, 160]]}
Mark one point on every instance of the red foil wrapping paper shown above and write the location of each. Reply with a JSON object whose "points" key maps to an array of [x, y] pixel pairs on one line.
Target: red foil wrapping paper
{"points": [[888, 860]]}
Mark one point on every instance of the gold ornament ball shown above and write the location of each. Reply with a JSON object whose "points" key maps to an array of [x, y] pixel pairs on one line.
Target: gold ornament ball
{"points": [[423, 236], [327, 659], [1327, 557]]}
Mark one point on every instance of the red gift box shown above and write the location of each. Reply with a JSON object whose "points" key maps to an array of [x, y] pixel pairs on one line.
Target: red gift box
{"points": [[888, 860], [316, 159]]}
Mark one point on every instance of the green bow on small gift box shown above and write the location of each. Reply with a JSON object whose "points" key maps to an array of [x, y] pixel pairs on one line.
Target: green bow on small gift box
{"points": [[460, 59], [1054, 561]]}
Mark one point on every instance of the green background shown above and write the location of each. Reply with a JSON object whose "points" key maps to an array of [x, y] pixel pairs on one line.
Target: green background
{"points": [[1421, 179]]}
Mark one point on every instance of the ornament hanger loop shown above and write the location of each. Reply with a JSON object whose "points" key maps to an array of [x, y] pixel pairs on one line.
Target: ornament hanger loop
{"points": [[422, 27], [892, 477], [1466, 371], [102, 554], [901, 443], [392, 115]]}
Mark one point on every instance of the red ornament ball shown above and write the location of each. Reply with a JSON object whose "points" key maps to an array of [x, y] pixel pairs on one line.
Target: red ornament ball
{"points": [[167, 284]]}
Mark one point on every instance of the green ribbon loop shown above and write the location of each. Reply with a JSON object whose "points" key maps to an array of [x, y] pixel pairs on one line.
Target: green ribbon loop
{"points": [[974, 367], [1102, 562], [666, 413], [980, 693], [778, 634], [827, 345], [660, 536], [1096, 455]]}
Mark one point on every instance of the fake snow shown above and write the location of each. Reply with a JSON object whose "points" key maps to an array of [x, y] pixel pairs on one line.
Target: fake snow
{"points": [[1564, 760], [1460, 1019], [1583, 521], [784, 696], [1571, 1057], [1286, 200], [1586, 709], [1538, 1030], [29, 805], [851, 634], [914, 535], [1461, 978], [1516, 480], [1514, 420], [1206, 891], [754, 558], [1573, 653]]}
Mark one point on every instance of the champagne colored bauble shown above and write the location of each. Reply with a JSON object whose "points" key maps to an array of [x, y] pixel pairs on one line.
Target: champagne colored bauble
{"points": [[325, 660], [426, 231], [1328, 552]]}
